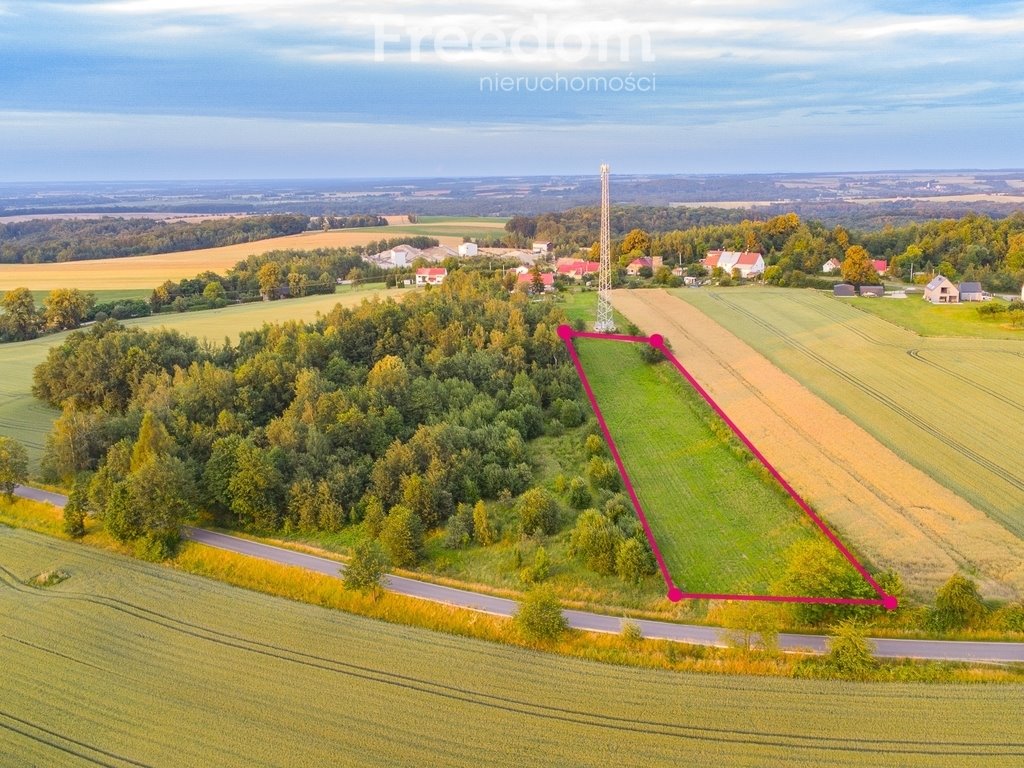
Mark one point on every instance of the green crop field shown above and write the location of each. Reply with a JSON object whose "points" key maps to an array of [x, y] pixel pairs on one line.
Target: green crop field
{"points": [[720, 525], [26, 419], [917, 315], [950, 406], [130, 664], [101, 296]]}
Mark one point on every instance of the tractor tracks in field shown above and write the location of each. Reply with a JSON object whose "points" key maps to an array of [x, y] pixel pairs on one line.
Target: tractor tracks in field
{"points": [[815, 742], [964, 451], [839, 462]]}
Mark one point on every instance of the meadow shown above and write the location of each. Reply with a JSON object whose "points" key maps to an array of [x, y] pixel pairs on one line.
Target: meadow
{"points": [[147, 272], [150, 676], [874, 438], [721, 525], [28, 420]]}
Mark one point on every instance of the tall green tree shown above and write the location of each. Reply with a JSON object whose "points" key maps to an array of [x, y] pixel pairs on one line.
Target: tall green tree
{"points": [[858, 267], [65, 308], [256, 488], [153, 441], [13, 465], [20, 319], [402, 537], [75, 510]]}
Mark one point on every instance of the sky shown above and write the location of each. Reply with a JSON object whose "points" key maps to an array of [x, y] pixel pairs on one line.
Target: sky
{"points": [[185, 89]]}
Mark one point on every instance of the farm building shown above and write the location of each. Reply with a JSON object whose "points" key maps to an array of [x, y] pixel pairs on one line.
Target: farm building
{"points": [[971, 292], [438, 253], [876, 291], [397, 257], [881, 266], [844, 290], [636, 265], [547, 280], [830, 266], [431, 275], [747, 262], [468, 250], [941, 291], [542, 247]]}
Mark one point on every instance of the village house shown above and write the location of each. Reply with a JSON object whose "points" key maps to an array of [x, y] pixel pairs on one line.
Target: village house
{"points": [[747, 262], [971, 292], [881, 266], [830, 266], [468, 250], [577, 269], [431, 275], [547, 279], [941, 291], [651, 263]]}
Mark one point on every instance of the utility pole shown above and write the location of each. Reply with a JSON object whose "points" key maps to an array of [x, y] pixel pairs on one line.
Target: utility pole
{"points": [[605, 322]]}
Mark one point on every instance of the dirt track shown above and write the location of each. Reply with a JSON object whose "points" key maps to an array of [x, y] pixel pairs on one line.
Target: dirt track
{"points": [[891, 512]]}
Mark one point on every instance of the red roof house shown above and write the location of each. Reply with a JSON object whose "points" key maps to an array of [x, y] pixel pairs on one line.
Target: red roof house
{"points": [[431, 275]]}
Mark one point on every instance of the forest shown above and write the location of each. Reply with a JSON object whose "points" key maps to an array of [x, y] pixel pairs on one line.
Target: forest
{"points": [[54, 240], [974, 247], [399, 416]]}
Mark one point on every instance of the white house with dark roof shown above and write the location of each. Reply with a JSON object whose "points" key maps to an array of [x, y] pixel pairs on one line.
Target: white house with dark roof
{"points": [[747, 262]]}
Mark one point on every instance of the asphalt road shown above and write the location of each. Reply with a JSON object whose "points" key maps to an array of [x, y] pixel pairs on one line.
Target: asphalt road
{"points": [[935, 650]]}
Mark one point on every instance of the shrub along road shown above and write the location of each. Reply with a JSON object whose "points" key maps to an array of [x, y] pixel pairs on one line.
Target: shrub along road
{"points": [[933, 650]]}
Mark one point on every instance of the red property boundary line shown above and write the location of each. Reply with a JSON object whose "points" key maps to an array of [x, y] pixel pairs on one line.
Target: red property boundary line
{"points": [[675, 594]]}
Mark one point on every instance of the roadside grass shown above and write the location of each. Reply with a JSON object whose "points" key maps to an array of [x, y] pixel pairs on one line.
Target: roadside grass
{"points": [[917, 315], [721, 523]]}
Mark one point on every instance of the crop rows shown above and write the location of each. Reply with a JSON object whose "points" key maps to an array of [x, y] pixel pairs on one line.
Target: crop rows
{"points": [[126, 664]]}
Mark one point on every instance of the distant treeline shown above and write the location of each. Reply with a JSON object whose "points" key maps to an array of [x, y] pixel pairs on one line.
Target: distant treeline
{"points": [[347, 222], [973, 247], [54, 240]]}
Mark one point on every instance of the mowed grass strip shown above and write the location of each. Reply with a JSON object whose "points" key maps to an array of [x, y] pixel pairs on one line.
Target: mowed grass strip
{"points": [[165, 668], [722, 525], [28, 420]]}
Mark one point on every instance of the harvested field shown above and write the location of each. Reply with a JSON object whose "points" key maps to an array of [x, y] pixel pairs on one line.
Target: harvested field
{"points": [[147, 272], [890, 511], [167, 669]]}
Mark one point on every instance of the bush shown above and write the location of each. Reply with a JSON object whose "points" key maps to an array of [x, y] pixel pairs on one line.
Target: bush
{"points": [[633, 561], [596, 539], [540, 570], [604, 474], [1009, 618], [631, 632], [569, 412], [578, 494], [538, 511], [366, 569], [849, 651], [459, 530], [957, 605], [540, 616], [594, 445]]}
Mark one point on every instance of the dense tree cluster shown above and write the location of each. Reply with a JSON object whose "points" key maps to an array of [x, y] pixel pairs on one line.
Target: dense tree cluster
{"points": [[63, 309], [393, 412], [49, 240], [347, 222]]}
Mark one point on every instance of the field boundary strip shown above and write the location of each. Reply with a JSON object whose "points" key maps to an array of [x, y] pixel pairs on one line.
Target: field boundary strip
{"points": [[675, 593]]}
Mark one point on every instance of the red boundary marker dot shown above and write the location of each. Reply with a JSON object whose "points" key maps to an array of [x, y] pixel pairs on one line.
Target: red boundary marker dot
{"points": [[675, 593]]}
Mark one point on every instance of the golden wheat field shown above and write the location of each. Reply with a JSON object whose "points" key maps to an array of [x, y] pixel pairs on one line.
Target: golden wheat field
{"points": [[125, 663], [894, 514]]}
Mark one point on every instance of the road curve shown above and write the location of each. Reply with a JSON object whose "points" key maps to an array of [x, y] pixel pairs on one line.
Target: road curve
{"points": [[932, 650]]}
